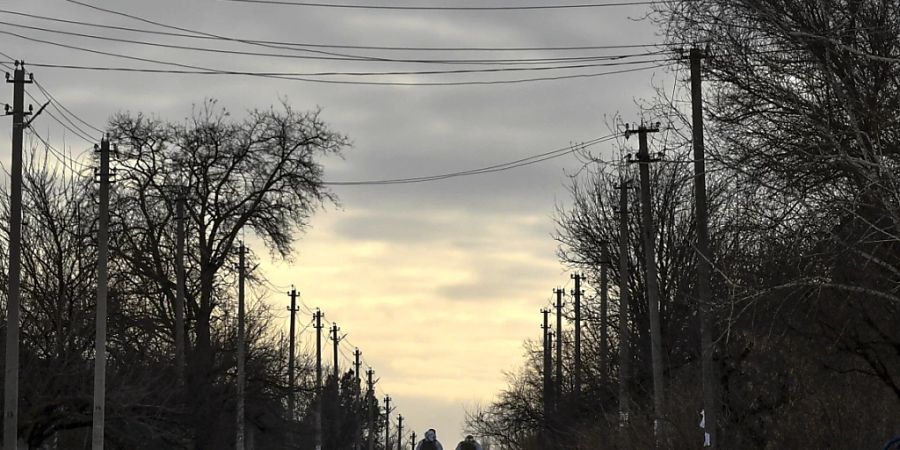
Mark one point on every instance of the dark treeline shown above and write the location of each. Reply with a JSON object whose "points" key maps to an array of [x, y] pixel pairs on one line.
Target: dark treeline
{"points": [[803, 171], [259, 174]]}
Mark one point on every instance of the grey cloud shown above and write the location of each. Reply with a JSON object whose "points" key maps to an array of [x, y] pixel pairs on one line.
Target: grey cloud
{"points": [[397, 131], [500, 280]]}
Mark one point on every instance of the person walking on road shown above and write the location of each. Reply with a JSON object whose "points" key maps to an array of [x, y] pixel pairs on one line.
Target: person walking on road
{"points": [[430, 442], [469, 443]]}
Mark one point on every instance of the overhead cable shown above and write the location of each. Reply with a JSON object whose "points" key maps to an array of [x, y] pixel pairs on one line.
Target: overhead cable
{"points": [[450, 8], [489, 169]]}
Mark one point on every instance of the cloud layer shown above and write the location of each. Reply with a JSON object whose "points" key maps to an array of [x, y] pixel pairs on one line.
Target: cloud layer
{"points": [[437, 283]]}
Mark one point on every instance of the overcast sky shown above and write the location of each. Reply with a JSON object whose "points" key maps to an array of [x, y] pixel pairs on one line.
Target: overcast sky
{"points": [[437, 283]]}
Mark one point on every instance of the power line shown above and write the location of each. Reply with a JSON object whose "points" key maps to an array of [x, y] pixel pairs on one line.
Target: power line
{"points": [[348, 57], [68, 163], [460, 61], [60, 104], [335, 56], [489, 169], [203, 71], [290, 45], [77, 131], [197, 32], [449, 8], [193, 69], [71, 126]]}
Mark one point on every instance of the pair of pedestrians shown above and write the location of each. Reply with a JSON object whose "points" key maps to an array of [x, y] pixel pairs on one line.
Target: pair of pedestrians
{"points": [[430, 442]]}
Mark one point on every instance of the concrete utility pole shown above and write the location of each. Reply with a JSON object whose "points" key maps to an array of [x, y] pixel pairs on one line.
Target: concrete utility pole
{"points": [[370, 401], [577, 366], [11, 370], [704, 297], [179, 285], [102, 285], [337, 341], [318, 416], [336, 421], [604, 310], [559, 357], [291, 354], [400, 432], [551, 420], [241, 344], [624, 331], [356, 365], [387, 422], [548, 378], [648, 231]]}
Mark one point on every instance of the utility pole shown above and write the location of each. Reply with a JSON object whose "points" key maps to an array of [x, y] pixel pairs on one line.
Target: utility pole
{"points": [[370, 400], [318, 416], [337, 340], [577, 366], [11, 370], [102, 285], [241, 369], [336, 424], [604, 310], [648, 232], [704, 297], [551, 419], [387, 422], [548, 378], [559, 357], [624, 331], [179, 285], [356, 365], [291, 352], [400, 432], [413, 446]]}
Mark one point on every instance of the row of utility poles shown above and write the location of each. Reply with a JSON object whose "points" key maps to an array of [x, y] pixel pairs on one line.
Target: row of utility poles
{"points": [[710, 400], [368, 413], [104, 177], [552, 391]]}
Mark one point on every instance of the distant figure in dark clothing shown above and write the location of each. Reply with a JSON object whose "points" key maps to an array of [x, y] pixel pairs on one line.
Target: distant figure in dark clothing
{"points": [[430, 442], [469, 444]]}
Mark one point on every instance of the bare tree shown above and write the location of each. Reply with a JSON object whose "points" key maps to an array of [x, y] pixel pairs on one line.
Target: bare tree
{"points": [[260, 174]]}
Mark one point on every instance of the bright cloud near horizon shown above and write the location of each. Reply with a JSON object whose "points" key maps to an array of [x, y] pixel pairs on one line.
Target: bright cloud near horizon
{"points": [[437, 283]]}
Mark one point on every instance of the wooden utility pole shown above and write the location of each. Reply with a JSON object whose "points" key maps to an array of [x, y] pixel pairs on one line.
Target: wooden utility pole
{"points": [[11, 370], [400, 432], [241, 364], [370, 401], [179, 285], [413, 446], [318, 415], [604, 310], [102, 286], [291, 354], [624, 310], [559, 356], [548, 378], [704, 259], [387, 422], [577, 365], [648, 231]]}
